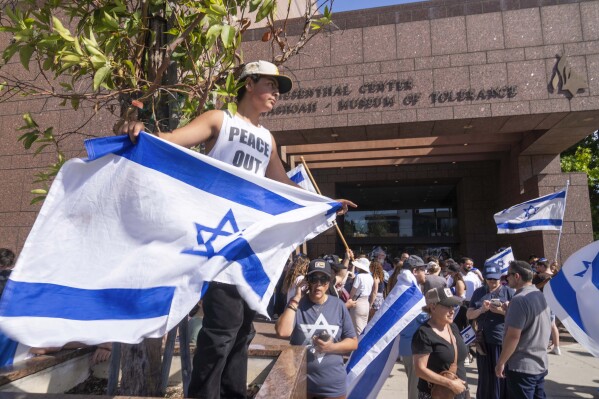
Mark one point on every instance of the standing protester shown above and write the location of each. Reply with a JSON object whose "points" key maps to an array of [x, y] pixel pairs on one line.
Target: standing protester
{"points": [[523, 359], [220, 361], [416, 266], [295, 275], [377, 296], [437, 346], [486, 308], [360, 292], [433, 279], [323, 323], [472, 279], [397, 267], [544, 274]]}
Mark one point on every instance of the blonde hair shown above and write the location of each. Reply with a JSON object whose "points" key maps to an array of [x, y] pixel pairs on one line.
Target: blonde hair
{"points": [[299, 267]]}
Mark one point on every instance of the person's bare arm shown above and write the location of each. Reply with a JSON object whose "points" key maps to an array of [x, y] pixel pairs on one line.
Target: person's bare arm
{"points": [[202, 129], [510, 342], [275, 169]]}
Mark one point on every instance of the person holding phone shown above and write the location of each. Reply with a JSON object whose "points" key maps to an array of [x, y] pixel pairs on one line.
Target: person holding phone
{"points": [[321, 322], [486, 307]]}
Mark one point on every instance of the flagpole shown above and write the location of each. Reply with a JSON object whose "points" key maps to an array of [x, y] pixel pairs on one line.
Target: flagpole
{"points": [[559, 237], [318, 191]]}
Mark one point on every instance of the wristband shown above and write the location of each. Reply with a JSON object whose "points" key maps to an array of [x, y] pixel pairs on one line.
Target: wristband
{"points": [[290, 306]]}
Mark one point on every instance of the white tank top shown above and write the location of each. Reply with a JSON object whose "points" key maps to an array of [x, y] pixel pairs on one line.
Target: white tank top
{"points": [[243, 145]]}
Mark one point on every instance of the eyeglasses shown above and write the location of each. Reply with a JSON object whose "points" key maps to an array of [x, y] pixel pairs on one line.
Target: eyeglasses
{"points": [[511, 273], [322, 280]]}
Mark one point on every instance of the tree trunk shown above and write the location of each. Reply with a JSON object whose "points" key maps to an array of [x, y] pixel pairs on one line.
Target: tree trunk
{"points": [[141, 368]]}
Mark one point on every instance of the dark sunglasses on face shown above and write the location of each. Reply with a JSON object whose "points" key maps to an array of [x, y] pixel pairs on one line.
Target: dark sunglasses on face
{"points": [[318, 279]]}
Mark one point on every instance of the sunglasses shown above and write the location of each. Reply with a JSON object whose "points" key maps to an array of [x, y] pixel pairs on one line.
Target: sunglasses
{"points": [[322, 280]]}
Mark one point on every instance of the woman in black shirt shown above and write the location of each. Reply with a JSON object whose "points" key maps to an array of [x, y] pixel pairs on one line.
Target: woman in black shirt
{"points": [[433, 345]]}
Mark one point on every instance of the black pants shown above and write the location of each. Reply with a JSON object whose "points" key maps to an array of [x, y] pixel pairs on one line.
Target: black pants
{"points": [[221, 357], [489, 386]]}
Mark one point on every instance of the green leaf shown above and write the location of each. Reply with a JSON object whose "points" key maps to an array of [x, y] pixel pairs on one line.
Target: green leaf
{"points": [[37, 199], [227, 35], [218, 9], [39, 191], [9, 52], [25, 54], [264, 10], [254, 4], [232, 107], [61, 30], [29, 122], [75, 103], [212, 34], [110, 21], [101, 75]]}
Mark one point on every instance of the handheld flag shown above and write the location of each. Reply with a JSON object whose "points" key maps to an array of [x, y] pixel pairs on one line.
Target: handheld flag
{"points": [[126, 239], [573, 294], [299, 176], [12, 352], [468, 335], [370, 364], [544, 213], [501, 259]]}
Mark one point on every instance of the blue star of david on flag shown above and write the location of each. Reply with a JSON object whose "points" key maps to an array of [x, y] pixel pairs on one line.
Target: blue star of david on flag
{"points": [[238, 250], [528, 212]]}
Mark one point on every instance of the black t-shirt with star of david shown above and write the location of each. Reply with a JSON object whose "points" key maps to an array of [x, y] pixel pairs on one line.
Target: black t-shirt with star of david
{"points": [[326, 372]]}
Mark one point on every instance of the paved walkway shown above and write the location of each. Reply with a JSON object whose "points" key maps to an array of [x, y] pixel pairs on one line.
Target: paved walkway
{"points": [[574, 374]]}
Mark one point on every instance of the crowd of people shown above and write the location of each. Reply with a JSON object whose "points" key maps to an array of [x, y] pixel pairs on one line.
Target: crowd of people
{"points": [[329, 302]]}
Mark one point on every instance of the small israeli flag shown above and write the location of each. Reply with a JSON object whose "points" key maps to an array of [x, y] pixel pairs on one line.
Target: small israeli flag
{"points": [[543, 213], [300, 176], [501, 259], [468, 334]]}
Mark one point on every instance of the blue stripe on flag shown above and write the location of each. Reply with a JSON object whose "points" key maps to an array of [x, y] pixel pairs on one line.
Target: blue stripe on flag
{"points": [[297, 178], [8, 348], [499, 255], [530, 223], [369, 380], [549, 197], [566, 296], [158, 155], [396, 311], [52, 300]]}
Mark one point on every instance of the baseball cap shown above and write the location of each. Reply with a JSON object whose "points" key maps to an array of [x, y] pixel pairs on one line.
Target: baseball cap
{"points": [[334, 261], [442, 296], [453, 268], [319, 266], [493, 272], [412, 262], [266, 68]]}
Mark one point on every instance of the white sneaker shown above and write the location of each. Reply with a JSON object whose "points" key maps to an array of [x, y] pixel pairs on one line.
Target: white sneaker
{"points": [[556, 351], [467, 361]]}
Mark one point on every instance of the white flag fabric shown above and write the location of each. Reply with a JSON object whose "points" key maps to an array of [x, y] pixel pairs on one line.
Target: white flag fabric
{"points": [[301, 178], [573, 295], [370, 364], [501, 259], [543, 213], [126, 239]]}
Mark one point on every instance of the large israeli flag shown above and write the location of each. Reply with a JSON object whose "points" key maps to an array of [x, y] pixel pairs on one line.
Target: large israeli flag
{"points": [[573, 295], [370, 364], [544, 213], [501, 259], [126, 239], [299, 175]]}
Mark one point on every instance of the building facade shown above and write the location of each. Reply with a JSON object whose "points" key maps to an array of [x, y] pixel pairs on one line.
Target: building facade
{"points": [[431, 116]]}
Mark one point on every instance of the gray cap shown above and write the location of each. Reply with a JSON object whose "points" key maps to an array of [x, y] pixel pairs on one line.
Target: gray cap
{"points": [[413, 261]]}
